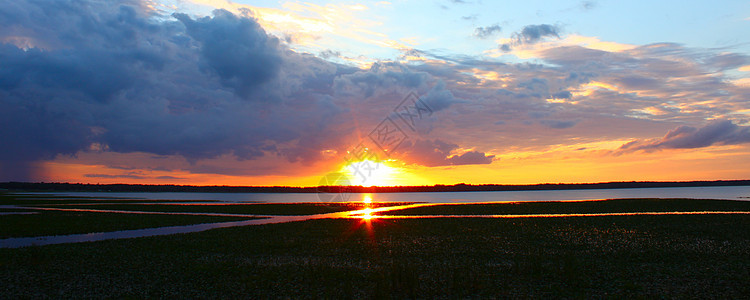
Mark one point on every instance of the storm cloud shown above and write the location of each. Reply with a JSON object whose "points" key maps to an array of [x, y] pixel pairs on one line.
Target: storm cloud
{"points": [[111, 74], [121, 77], [218, 94]]}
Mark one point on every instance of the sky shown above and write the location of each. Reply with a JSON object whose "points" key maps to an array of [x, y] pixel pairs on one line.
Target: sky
{"points": [[217, 92]]}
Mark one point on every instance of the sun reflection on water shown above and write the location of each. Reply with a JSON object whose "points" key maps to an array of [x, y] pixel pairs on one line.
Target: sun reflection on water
{"points": [[367, 213]]}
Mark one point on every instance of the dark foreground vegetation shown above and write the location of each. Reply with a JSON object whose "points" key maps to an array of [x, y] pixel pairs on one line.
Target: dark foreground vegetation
{"points": [[703, 256], [683, 256], [638, 256]]}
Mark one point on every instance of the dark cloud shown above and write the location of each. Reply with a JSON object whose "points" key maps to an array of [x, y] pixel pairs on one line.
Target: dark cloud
{"points": [[440, 98], [328, 53], [236, 48], [718, 132], [562, 95], [169, 177], [432, 153], [485, 32], [80, 75], [108, 176], [117, 75], [531, 34], [131, 175], [558, 124], [381, 78]]}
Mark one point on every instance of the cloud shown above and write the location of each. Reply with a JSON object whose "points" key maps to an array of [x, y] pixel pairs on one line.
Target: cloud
{"points": [[531, 34], [485, 32], [108, 176], [379, 79], [433, 153], [236, 48], [558, 124], [121, 76], [718, 132], [588, 5], [328, 53], [85, 76], [562, 95]]}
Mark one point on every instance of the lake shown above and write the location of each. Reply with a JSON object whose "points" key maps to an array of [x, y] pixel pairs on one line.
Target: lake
{"points": [[714, 192]]}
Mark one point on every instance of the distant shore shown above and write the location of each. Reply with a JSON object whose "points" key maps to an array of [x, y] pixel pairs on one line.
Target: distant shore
{"points": [[461, 187]]}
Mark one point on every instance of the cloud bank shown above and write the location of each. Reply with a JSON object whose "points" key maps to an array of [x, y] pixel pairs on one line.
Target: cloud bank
{"points": [[120, 77], [718, 132], [88, 73], [219, 95]]}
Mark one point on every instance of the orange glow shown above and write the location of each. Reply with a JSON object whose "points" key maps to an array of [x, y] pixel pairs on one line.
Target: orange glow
{"points": [[367, 213], [367, 198], [560, 164], [372, 173]]}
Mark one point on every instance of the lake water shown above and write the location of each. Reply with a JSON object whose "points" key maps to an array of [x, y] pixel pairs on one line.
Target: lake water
{"points": [[733, 193], [716, 192]]}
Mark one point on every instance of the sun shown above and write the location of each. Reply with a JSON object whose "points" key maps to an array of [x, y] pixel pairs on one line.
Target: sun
{"points": [[372, 173]]}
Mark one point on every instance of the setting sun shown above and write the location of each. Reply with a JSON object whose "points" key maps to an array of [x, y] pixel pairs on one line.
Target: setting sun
{"points": [[372, 173], [367, 198]]}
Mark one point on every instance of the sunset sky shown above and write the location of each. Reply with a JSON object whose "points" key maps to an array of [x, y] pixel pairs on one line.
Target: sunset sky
{"points": [[215, 92]]}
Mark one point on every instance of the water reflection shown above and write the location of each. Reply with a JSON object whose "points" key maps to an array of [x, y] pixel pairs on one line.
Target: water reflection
{"points": [[510, 216], [710, 192], [5, 213]]}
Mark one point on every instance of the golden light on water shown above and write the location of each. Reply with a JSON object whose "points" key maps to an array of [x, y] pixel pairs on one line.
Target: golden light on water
{"points": [[367, 198], [367, 213]]}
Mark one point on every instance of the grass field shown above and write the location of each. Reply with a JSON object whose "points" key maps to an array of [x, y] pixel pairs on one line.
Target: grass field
{"points": [[64, 222], [641, 256]]}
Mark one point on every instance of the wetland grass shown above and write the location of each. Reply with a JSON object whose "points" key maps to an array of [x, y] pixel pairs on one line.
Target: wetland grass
{"points": [[615, 256], [636, 256], [45, 223]]}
